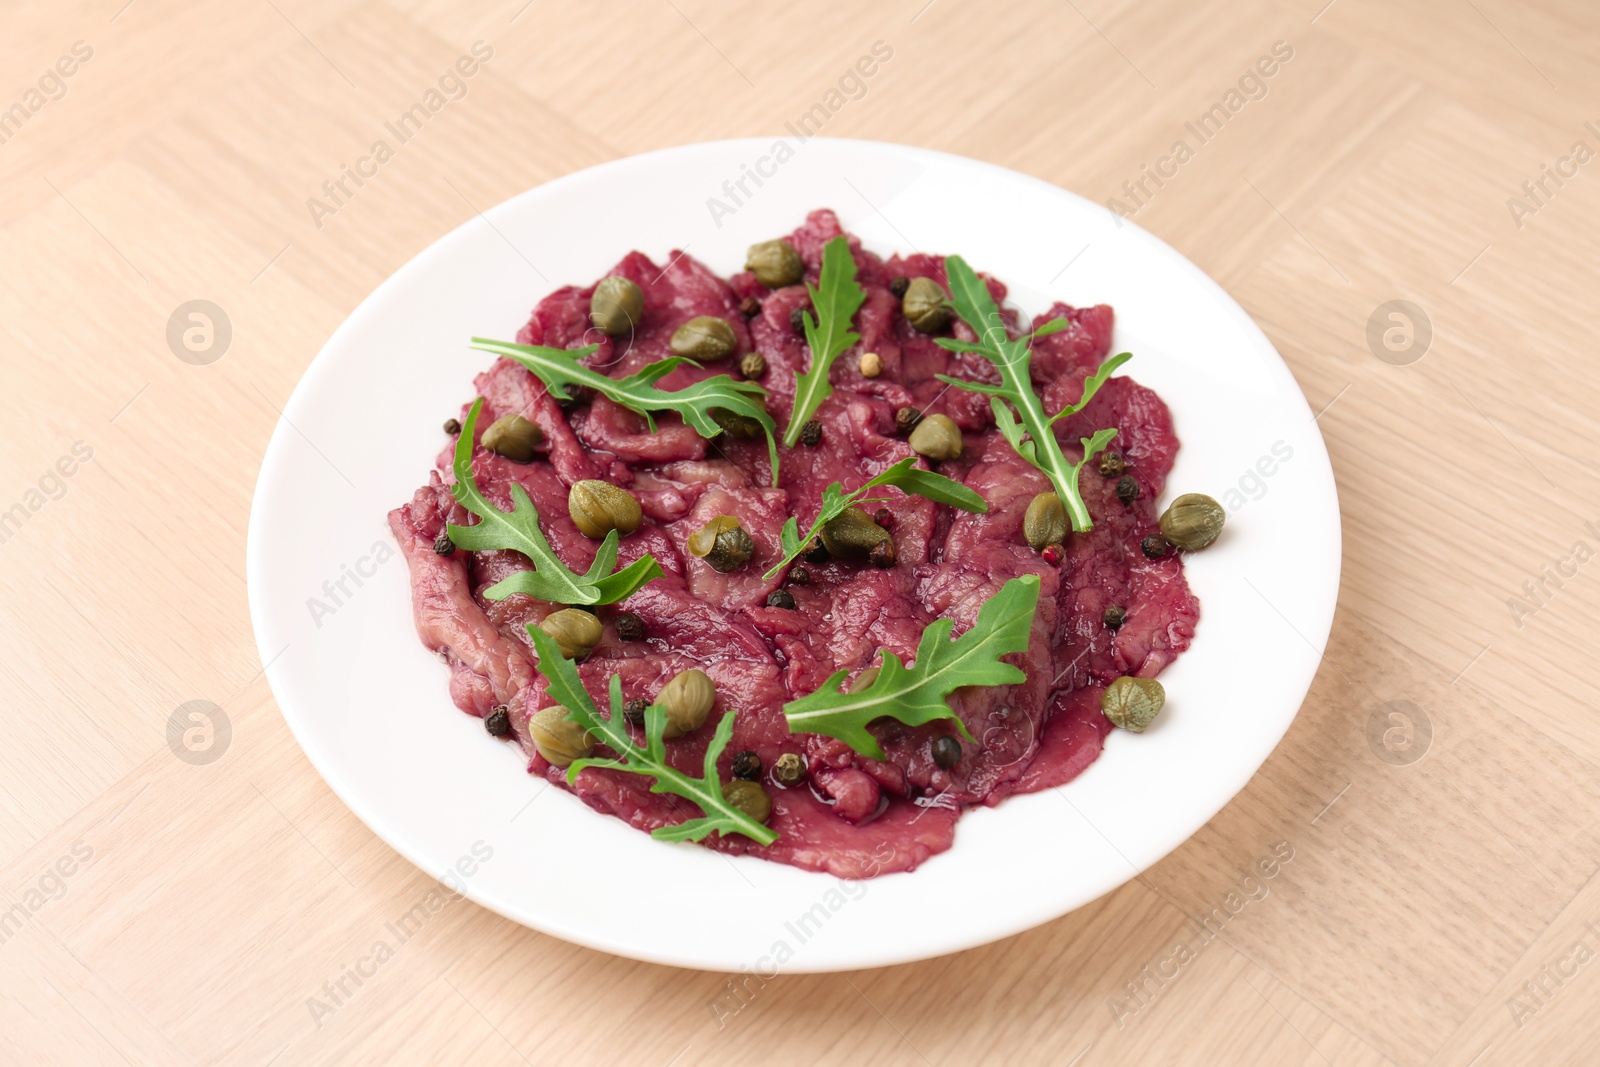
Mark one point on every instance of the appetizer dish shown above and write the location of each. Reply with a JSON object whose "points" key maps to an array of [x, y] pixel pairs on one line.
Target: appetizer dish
{"points": [[803, 562]]}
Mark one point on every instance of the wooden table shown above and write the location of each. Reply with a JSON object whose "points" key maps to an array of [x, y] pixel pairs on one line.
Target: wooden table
{"points": [[1430, 819]]}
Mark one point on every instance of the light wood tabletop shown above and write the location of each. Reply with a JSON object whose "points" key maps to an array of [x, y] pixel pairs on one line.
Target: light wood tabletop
{"points": [[1402, 194]]}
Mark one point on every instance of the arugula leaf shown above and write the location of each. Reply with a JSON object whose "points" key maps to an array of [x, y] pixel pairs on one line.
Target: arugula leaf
{"points": [[519, 529], [915, 695], [558, 368], [905, 476], [1027, 428], [836, 299], [650, 758]]}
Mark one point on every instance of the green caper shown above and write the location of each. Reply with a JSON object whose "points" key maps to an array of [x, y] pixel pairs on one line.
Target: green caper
{"points": [[704, 338], [1192, 521], [864, 680], [852, 534], [575, 631], [735, 424], [687, 700], [599, 507], [617, 306], [937, 437], [748, 797], [722, 543], [1045, 522], [1133, 703], [926, 306], [559, 740], [775, 264], [513, 437]]}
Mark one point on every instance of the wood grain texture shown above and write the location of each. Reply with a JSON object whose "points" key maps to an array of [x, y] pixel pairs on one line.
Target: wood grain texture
{"points": [[1439, 909]]}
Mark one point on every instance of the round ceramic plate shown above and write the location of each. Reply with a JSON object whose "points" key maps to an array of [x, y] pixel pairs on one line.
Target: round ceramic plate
{"points": [[330, 600]]}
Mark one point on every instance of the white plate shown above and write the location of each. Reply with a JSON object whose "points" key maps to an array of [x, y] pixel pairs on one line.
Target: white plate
{"points": [[370, 706]]}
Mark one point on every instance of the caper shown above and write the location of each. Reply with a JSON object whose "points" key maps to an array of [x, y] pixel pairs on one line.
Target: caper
{"points": [[704, 338], [617, 306], [559, 740], [735, 424], [926, 306], [1045, 522], [748, 797], [937, 437], [790, 768], [598, 507], [1133, 703], [852, 534], [864, 680], [775, 264], [722, 543], [575, 632], [513, 437], [687, 700], [1192, 521]]}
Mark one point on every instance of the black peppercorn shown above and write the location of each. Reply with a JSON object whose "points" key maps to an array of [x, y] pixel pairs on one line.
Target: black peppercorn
{"points": [[633, 711], [452, 427], [884, 517], [1153, 547], [1127, 489], [797, 320], [882, 554], [906, 420], [780, 598], [946, 751], [817, 553], [1112, 464], [790, 768], [898, 287], [443, 545], [747, 766], [799, 576], [1114, 617], [749, 307], [498, 722], [753, 365], [629, 626], [811, 433]]}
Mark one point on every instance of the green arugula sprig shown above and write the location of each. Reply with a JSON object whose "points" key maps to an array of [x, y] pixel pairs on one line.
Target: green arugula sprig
{"points": [[558, 368], [836, 298], [905, 476], [915, 695], [1027, 429], [650, 758], [518, 529]]}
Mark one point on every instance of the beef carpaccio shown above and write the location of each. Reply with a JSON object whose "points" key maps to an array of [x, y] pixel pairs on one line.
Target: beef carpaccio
{"points": [[850, 816]]}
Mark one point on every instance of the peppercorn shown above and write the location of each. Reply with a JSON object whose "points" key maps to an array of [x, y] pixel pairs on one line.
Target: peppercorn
{"points": [[882, 554], [871, 364], [790, 768], [898, 286], [1053, 554], [946, 751], [629, 627], [1114, 617], [797, 320], [749, 307], [1127, 489], [633, 711], [1153, 547], [452, 427], [798, 575], [753, 365], [443, 545], [906, 419], [498, 722], [884, 517], [817, 553], [1112, 464], [747, 766], [811, 433], [780, 598]]}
